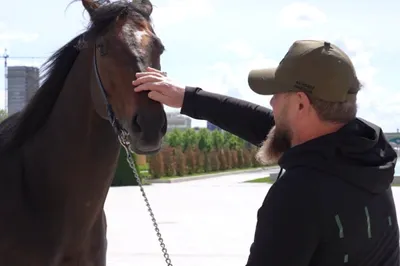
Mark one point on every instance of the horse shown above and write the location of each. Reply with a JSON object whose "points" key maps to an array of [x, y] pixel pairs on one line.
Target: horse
{"points": [[58, 155]]}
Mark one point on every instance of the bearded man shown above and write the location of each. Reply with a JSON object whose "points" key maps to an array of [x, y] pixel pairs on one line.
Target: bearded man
{"points": [[333, 205]]}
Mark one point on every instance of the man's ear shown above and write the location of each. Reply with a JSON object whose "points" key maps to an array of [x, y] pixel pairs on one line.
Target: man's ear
{"points": [[303, 100]]}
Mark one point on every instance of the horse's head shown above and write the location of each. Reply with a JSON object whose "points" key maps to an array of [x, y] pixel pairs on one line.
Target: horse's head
{"points": [[125, 43]]}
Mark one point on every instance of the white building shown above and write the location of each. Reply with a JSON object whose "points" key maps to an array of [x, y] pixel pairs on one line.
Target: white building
{"points": [[177, 120], [23, 82]]}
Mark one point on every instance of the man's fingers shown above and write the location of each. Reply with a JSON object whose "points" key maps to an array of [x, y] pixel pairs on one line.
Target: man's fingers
{"points": [[143, 87], [153, 70], [149, 87], [143, 74], [145, 79], [156, 96], [153, 74]]}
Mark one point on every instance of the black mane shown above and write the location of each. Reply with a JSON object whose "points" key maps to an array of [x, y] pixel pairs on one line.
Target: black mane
{"points": [[23, 125]]}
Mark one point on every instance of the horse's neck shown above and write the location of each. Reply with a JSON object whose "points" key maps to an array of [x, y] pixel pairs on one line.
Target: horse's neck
{"points": [[73, 158]]}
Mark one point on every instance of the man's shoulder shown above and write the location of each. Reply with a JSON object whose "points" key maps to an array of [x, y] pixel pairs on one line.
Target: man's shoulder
{"points": [[302, 175], [301, 183], [292, 193]]}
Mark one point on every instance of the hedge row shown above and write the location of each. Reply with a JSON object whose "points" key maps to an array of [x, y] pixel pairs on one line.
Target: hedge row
{"points": [[123, 174], [174, 161]]}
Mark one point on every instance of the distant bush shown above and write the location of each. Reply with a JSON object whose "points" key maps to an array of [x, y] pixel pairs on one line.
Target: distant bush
{"points": [[187, 152], [168, 155], [176, 162], [180, 158], [123, 175], [156, 165]]}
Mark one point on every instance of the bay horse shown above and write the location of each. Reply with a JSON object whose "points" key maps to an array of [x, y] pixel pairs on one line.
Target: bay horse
{"points": [[59, 154]]}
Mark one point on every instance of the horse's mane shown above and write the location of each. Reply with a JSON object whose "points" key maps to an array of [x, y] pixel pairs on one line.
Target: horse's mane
{"points": [[20, 127]]}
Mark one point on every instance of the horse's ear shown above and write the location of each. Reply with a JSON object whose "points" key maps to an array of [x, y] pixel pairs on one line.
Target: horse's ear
{"points": [[145, 5], [90, 5]]}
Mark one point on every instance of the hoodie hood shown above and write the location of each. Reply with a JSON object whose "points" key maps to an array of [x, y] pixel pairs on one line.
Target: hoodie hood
{"points": [[358, 153]]}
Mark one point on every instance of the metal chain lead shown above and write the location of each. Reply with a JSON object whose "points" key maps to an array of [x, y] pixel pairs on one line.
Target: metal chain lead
{"points": [[123, 139]]}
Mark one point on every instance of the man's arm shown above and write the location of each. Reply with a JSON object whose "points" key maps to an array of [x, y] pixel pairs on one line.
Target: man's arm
{"points": [[246, 120], [288, 228]]}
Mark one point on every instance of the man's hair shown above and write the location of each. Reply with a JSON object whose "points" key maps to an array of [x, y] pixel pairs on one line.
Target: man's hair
{"points": [[335, 112]]}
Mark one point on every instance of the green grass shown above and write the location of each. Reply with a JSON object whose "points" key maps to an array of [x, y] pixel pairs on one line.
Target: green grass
{"points": [[211, 172], [260, 180], [144, 167], [269, 181]]}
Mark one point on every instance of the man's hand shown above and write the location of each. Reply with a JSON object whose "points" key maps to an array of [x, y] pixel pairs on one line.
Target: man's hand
{"points": [[161, 88]]}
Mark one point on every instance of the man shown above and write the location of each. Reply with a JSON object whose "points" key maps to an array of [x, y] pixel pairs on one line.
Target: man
{"points": [[333, 205]]}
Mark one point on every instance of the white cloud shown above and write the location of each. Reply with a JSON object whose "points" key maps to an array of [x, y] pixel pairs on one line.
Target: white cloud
{"points": [[378, 104], [300, 15], [240, 72], [8, 35], [231, 79], [218, 76], [225, 78], [28, 62], [240, 48], [18, 36], [7, 38], [359, 53], [177, 11]]}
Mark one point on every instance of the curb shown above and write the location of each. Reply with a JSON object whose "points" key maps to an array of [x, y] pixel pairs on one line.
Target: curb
{"points": [[206, 176], [396, 180]]}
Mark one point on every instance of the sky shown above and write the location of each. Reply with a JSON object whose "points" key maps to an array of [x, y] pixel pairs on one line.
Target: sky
{"points": [[213, 44]]}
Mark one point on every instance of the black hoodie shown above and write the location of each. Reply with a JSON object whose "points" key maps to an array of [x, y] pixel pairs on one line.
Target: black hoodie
{"points": [[332, 206]]}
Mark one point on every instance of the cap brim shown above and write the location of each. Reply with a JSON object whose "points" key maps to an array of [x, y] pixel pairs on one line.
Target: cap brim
{"points": [[262, 81]]}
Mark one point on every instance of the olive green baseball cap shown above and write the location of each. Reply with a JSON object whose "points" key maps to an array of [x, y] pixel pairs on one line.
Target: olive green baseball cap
{"points": [[318, 68]]}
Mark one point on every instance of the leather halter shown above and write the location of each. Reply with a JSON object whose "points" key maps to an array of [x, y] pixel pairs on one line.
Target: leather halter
{"points": [[116, 124]]}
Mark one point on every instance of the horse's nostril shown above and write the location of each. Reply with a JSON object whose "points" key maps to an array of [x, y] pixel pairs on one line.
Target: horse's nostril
{"points": [[135, 123], [149, 123]]}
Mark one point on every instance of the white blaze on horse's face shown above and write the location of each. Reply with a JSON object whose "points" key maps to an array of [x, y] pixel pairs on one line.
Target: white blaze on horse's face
{"points": [[142, 39], [139, 35], [136, 38]]}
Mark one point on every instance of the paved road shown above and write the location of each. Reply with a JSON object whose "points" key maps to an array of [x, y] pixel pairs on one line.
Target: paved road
{"points": [[207, 222], [228, 180]]}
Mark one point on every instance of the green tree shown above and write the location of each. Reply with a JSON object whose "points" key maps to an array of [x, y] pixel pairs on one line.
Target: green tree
{"points": [[233, 142], [190, 138], [174, 138], [241, 142], [205, 140], [217, 139], [124, 175], [3, 114]]}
